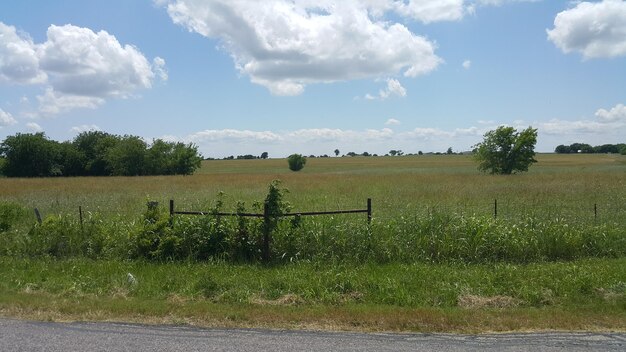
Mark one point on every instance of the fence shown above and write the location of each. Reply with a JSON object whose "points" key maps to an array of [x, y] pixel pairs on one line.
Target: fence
{"points": [[267, 218]]}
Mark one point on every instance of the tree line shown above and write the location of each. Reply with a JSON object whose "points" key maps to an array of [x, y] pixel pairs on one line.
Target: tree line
{"points": [[586, 148], [95, 153]]}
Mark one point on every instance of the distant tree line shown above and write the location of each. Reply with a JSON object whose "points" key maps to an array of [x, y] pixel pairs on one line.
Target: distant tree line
{"points": [[586, 148], [95, 153]]}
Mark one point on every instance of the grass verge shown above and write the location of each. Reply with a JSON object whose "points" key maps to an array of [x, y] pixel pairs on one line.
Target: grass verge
{"points": [[579, 295]]}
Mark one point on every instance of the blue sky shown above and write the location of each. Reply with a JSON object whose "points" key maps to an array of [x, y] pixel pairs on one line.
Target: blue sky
{"points": [[243, 77]]}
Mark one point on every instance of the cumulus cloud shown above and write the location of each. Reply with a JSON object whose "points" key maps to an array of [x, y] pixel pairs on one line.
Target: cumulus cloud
{"points": [[607, 121], [595, 29], [433, 10], [327, 134], [466, 64], [34, 127], [617, 113], [392, 122], [235, 135], [6, 119], [394, 88], [19, 62], [84, 128], [286, 45], [80, 68]]}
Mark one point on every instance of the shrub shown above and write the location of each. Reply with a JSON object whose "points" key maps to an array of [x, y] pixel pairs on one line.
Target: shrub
{"points": [[296, 162]]}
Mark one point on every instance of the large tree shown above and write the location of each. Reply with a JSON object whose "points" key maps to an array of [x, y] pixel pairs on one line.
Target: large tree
{"points": [[30, 155], [506, 151]]}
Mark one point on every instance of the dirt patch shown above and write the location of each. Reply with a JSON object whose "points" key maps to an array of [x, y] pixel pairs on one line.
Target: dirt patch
{"points": [[477, 302], [286, 300]]}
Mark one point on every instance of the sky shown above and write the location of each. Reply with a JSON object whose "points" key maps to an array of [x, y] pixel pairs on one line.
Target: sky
{"points": [[239, 77]]}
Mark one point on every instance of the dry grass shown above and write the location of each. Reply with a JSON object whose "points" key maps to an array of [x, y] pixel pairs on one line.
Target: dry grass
{"points": [[476, 302]]}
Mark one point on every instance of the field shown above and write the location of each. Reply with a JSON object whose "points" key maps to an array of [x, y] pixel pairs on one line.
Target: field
{"points": [[434, 248], [558, 185]]}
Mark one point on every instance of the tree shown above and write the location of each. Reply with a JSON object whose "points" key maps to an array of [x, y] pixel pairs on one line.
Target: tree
{"points": [[393, 152], [449, 151], [296, 162], [127, 157], [94, 145], [30, 155], [264, 155], [185, 159], [562, 149], [336, 152], [506, 151]]}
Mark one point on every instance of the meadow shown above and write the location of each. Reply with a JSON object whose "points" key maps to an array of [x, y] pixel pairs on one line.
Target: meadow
{"points": [[433, 259]]}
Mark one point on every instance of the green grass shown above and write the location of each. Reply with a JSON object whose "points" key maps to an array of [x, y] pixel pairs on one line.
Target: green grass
{"points": [[434, 259], [225, 294]]}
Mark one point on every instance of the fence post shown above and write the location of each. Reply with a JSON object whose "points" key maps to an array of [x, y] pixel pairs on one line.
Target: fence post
{"points": [[266, 233], [495, 208], [595, 211], [38, 216], [369, 211], [171, 220], [80, 216]]}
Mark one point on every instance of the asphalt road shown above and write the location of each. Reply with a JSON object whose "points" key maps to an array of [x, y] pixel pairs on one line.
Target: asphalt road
{"points": [[42, 336]]}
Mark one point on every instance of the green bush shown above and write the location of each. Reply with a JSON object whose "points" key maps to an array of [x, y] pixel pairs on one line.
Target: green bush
{"points": [[296, 162]]}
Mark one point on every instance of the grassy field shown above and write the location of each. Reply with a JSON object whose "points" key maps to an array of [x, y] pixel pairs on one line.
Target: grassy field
{"points": [[558, 185], [434, 258]]}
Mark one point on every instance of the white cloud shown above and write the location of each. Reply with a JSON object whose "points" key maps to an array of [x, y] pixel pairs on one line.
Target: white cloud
{"points": [[428, 11], [595, 29], [84, 128], [327, 134], [53, 102], [6, 119], [607, 121], [394, 88], [286, 45], [391, 122], [19, 62], [82, 62], [467, 64], [617, 113], [80, 68], [34, 127], [235, 135]]}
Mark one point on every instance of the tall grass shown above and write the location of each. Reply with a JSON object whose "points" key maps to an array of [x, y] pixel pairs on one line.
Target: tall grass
{"points": [[426, 209]]}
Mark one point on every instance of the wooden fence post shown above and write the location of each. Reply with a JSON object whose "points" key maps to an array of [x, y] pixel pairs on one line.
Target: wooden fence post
{"points": [[369, 211], [38, 216], [266, 233], [171, 211], [80, 216], [495, 208], [595, 212]]}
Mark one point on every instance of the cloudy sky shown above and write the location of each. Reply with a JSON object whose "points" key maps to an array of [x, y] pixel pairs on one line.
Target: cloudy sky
{"points": [[247, 76]]}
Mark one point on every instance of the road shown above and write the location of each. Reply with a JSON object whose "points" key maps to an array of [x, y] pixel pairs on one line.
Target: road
{"points": [[44, 336]]}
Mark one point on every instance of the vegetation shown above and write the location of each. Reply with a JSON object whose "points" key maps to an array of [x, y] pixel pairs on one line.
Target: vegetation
{"points": [[95, 153], [433, 259], [296, 162], [586, 148], [505, 151]]}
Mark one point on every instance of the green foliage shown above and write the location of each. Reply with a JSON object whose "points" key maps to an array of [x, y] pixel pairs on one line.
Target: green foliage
{"points": [[505, 151], [588, 149], [95, 153], [29, 155], [127, 157], [296, 162]]}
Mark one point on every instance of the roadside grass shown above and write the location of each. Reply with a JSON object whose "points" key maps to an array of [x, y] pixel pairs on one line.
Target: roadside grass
{"points": [[579, 295]]}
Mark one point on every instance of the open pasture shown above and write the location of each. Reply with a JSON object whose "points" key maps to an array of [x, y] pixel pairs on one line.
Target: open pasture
{"points": [[565, 186]]}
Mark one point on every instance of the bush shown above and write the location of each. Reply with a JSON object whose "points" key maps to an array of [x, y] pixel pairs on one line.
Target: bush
{"points": [[296, 162]]}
